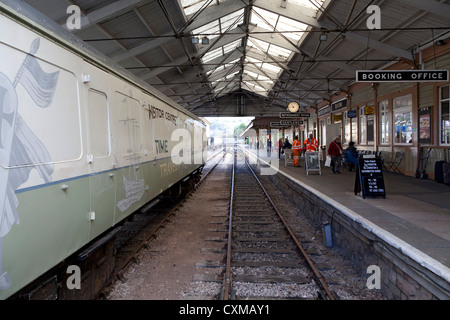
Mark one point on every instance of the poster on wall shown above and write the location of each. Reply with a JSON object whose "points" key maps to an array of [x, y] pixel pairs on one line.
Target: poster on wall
{"points": [[425, 125]]}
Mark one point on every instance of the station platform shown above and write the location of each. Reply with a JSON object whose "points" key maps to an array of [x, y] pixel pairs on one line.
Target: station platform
{"points": [[414, 216], [416, 211]]}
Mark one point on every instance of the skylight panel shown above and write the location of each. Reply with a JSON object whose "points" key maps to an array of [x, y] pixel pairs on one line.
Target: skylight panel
{"points": [[219, 68], [192, 6], [254, 61], [278, 52], [312, 4], [258, 44], [231, 46], [232, 63], [230, 19], [212, 29], [264, 19], [271, 68], [252, 74], [231, 75], [255, 88], [290, 28], [212, 55]]}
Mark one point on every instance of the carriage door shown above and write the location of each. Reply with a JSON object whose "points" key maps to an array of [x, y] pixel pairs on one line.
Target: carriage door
{"points": [[101, 173]]}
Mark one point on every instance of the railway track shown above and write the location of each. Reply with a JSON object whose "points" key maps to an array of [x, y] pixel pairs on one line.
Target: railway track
{"points": [[191, 259], [262, 249]]}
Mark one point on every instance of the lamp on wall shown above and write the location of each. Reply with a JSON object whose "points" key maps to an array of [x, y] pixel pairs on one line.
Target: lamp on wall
{"points": [[205, 40], [195, 40]]}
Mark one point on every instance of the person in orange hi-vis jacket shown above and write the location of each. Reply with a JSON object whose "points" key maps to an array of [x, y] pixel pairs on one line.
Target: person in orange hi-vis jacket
{"points": [[311, 143], [296, 150]]}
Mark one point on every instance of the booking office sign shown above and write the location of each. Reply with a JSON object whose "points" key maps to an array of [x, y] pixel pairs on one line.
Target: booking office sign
{"points": [[18, 143]]}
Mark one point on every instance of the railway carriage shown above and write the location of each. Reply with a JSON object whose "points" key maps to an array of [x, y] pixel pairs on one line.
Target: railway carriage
{"points": [[83, 145]]}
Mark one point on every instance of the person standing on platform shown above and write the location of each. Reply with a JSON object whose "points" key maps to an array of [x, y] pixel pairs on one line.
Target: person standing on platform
{"points": [[280, 147], [269, 147], [287, 144], [296, 150], [335, 152], [311, 143]]}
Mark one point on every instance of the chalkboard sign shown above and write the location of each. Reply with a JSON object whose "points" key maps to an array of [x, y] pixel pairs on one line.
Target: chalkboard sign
{"points": [[312, 162], [369, 177]]}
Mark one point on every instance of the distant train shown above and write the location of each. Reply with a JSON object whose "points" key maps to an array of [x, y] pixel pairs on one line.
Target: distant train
{"points": [[83, 145]]}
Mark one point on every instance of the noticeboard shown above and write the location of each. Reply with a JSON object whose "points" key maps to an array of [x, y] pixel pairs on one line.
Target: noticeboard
{"points": [[312, 162], [369, 177]]}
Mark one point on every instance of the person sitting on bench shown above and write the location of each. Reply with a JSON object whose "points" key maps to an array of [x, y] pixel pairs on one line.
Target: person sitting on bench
{"points": [[351, 155]]}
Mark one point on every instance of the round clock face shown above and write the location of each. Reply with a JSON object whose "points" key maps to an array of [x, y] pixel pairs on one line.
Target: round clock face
{"points": [[293, 106]]}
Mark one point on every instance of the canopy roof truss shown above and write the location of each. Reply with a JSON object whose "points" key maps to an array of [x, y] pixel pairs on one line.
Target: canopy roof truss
{"points": [[261, 53]]}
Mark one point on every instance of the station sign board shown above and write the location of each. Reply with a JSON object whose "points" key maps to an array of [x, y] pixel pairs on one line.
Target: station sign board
{"points": [[277, 125], [402, 75], [291, 115], [335, 106], [351, 114], [323, 111], [291, 122]]}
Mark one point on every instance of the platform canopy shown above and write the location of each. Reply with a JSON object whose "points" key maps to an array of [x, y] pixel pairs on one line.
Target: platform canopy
{"points": [[252, 57]]}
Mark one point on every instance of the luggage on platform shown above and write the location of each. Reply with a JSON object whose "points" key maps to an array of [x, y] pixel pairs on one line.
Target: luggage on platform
{"points": [[439, 171], [446, 169]]}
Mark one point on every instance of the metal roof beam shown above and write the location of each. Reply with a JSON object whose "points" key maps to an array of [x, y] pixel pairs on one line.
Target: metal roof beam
{"points": [[236, 54], [297, 12], [215, 12], [435, 7], [274, 38]]}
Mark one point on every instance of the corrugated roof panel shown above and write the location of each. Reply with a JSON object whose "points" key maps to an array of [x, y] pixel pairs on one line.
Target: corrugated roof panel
{"points": [[127, 25]]}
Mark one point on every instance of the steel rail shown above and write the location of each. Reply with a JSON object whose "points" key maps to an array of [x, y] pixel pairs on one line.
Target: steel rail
{"points": [[227, 276], [310, 263]]}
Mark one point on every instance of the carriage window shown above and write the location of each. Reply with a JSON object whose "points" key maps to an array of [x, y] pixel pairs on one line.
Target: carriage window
{"points": [[44, 104], [98, 124], [129, 133]]}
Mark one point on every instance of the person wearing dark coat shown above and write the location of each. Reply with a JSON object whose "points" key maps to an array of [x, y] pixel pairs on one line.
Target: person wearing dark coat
{"points": [[351, 155], [335, 152]]}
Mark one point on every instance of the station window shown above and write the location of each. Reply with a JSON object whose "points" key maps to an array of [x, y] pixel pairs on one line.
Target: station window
{"points": [[402, 108], [346, 128], [384, 121], [362, 126], [322, 128], [370, 128], [444, 114]]}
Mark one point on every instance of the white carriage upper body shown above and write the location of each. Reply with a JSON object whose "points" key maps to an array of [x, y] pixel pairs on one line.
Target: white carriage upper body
{"points": [[67, 113]]}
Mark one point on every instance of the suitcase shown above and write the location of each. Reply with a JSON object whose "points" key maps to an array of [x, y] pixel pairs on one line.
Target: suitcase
{"points": [[446, 169], [439, 171]]}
